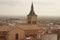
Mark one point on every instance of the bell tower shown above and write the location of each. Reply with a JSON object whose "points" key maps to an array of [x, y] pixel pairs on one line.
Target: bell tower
{"points": [[32, 17]]}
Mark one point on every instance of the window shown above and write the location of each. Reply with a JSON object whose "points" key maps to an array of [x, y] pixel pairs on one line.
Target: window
{"points": [[29, 22], [16, 36], [34, 22]]}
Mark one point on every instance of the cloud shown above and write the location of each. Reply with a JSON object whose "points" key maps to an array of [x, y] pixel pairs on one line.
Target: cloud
{"points": [[46, 3], [7, 3], [43, 3]]}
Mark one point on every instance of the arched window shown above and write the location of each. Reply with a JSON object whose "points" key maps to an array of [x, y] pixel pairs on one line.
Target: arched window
{"points": [[34, 22], [29, 22], [16, 36]]}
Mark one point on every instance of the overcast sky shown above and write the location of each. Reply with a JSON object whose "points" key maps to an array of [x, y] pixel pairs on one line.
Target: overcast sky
{"points": [[22, 7]]}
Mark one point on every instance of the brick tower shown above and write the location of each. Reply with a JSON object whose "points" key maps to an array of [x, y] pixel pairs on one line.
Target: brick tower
{"points": [[32, 17]]}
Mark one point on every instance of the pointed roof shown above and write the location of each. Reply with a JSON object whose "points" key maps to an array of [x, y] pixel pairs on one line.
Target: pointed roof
{"points": [[32, 11]]}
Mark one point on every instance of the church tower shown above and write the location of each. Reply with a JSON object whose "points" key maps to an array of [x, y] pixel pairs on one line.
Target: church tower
{"points": [[32, 17]]}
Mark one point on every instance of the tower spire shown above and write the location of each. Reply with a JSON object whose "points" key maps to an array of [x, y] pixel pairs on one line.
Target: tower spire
{"points": [[32, 6], [32, 10]]}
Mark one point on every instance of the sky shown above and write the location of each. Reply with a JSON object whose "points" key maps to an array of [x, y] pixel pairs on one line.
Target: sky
{"points": [[22, 7]]}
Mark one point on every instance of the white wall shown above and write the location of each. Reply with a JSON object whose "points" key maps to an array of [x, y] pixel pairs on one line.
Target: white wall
{"points": [[49, 37]]}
